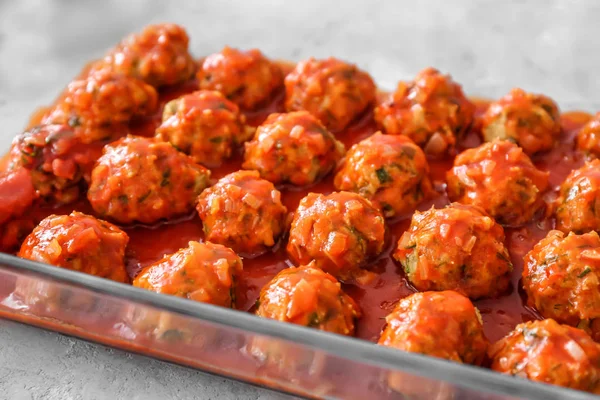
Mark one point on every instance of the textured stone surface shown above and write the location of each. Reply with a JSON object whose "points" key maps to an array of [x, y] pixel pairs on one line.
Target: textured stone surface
{"points": [[489, 46]]}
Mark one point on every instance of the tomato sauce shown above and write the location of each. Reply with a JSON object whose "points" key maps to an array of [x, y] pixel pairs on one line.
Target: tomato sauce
{"points": [[377, 297]]}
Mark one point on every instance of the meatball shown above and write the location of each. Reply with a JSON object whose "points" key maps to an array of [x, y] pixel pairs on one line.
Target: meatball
{"points": [[459, 248], [440, 324], [244, 212], [203, 272], [79, 242], [548, 352], [339, 231], [431, 110], [561, 276], [499, 178], [205, 125], [588, 137], [578, 202], [293, 148], [17, 194], [247, 78], [530, 120], [158, 55], [389, 170], [332, 90], [57, 160], [101, 100], [144, 180], [309, 297]]}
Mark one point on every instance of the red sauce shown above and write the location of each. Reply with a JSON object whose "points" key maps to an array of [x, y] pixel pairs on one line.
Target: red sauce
{"points": [[378, 297]]}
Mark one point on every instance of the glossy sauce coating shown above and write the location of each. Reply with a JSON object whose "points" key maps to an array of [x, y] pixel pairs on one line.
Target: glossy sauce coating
{"points": [[561, 277], [546, 351], [458, 248]]}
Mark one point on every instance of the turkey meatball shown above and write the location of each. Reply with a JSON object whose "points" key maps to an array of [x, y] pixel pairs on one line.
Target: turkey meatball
{"points": [[499, 178], [458, 248], [389, 170], [57, 159], [79, 242], [292, 148], [144, 180], [588, 137], [561, 276], [548, 352], [244, 212], [431, 110], [339, 231], [578, 202], [247, 78], [203, 272], [158, 55], [203, 124], [332, 90], [101, 100], [309, 297], [530, 120]]}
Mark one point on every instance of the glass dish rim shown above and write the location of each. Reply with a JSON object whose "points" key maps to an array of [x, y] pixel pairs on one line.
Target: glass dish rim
{"points": [[357, 350]]}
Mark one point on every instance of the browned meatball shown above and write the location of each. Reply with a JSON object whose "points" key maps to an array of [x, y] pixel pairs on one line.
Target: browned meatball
{"points": [[561, 276], [459, 248], [203, 272], [389, 170], [57, 159], [100, 100], [244, 212], [332, 90], [339, 231], [438, 324], [17, 194], [245, 77], [530, 120], [431, 110], [309, 297], [158, 55], [499, 178], [79, 242], [588, 137], [294, 148], [548, 352], [144, 180], [578, 202], [205, 125]]}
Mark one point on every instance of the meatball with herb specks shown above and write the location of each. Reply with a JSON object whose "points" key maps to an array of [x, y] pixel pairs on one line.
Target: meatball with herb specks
{"points": [[545, 351], [457, 248], [530, 120], [561, 276], [588, 137], [309, 297], [438, 324], [205, 125], [58, 161], [332, 90], [293, 148], [431, 110], [389, 170], [144, 180], [578, 202], [203, 272], [158, 55], [100, 101], [247, 78], [499, 178], [244, 212], [339, 231], [81, 243]]}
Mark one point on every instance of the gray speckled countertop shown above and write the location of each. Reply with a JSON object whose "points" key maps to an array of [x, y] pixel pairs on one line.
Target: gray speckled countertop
{"points": [[489, 46]]}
